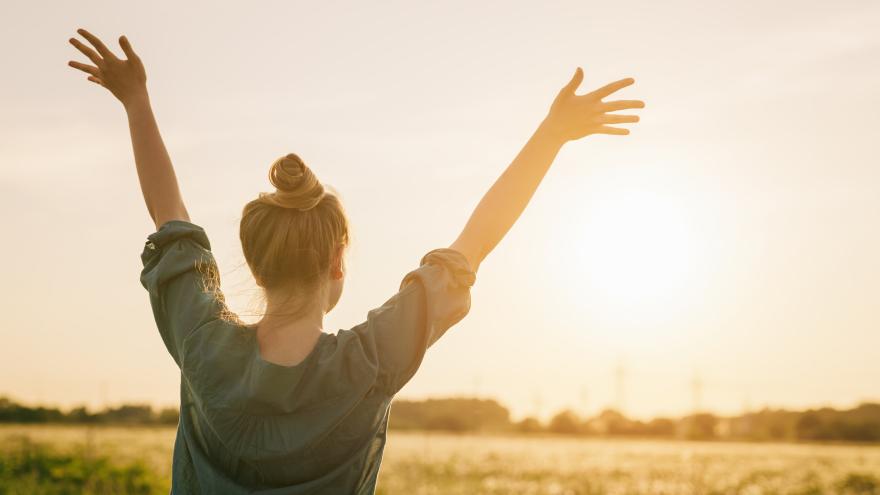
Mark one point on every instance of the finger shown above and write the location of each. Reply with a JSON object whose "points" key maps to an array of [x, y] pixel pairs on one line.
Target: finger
{"points": [[126, 48], [575, 81], [96, 80], [88, 52], [89, 69], [613, 87], [607, 129], [98, 44], [613, 106], [618, 119]]}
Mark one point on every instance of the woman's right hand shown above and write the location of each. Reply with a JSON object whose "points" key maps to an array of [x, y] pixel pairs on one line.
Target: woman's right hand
{"points": [[126, 79]]}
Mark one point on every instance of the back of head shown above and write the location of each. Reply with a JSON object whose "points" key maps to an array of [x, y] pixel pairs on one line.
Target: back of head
{"points": [[289, 236]]}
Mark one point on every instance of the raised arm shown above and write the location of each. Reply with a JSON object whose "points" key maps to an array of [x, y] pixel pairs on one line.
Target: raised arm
{"points": [[127, 80], [570, 117]]}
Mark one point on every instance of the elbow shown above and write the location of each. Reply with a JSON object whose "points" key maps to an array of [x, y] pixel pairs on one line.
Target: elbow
{"points": [[162, 216]]}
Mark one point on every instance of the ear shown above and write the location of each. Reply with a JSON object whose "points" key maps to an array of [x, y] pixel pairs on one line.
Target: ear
{"points": [[337, 264]]}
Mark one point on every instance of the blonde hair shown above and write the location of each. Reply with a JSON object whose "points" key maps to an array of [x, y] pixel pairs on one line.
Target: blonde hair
{"points": [[289, 236]]}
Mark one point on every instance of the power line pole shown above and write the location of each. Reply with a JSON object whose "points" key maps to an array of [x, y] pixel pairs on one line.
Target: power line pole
{"points": [[585, 400], [620, 386], [538, 402], [104, 395], [697, 391], [476, 385]]}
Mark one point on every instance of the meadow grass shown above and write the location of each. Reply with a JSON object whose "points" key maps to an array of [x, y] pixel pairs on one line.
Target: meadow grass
{"points": [[138, 460]]}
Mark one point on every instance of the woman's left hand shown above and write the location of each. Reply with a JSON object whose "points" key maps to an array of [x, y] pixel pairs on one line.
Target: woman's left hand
{"points": [[575, 116], [125, 78]]}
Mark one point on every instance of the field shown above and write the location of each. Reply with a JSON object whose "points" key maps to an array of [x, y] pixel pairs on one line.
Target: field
{"points": [[433, 463]]}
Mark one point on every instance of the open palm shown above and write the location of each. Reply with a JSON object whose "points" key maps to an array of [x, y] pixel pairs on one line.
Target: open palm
{"points": [[125, 78], [575, 116]]}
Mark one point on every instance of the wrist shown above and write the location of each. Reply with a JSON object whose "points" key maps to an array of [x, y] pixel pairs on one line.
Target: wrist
{"points": [[136, 103], [550, 133]]}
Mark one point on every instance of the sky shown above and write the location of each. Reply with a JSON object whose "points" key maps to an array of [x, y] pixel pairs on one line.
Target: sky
{"points": [[724, 256]]}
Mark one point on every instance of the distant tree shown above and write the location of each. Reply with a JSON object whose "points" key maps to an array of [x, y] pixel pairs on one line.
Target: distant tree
{"points": [[447, 422], [854, 431], [168, 416], [660, 427], [80, 415], [612, 422], [612, 416], [529, 425], [456, 414], [12, 412], [770, 424], [566, 422], [700, 426], [809, 426], [128, 413]]}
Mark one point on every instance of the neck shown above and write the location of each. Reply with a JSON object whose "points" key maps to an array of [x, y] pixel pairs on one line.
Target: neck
{"points": [[287, 341], [278, 317]]}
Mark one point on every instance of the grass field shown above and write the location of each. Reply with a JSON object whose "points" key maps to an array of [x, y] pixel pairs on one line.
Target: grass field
{"points": [[434, 463]]}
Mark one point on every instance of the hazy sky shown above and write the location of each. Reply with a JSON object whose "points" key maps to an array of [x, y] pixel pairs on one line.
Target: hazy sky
{"points": [[733, 237]]}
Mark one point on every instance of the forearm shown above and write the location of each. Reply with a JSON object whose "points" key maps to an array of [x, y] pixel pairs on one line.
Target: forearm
{"points": [[155, 171], [505, 201]]}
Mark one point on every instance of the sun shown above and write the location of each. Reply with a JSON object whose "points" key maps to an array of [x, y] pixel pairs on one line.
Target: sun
{"points": [[636, 254], [638, 246]]}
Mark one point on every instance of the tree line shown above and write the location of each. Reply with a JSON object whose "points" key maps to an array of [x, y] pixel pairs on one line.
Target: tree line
{"points": [[138, 414], [465, 415]]}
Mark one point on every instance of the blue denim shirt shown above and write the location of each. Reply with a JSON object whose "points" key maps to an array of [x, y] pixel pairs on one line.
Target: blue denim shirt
{"points": [[251, 426]]}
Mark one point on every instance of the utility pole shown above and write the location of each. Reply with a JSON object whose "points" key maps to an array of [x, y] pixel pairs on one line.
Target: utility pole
{"points": [[620, 386], [476, 385], [747, 404], [538, 403], [104, 395], [697, 392], [585, 400]]}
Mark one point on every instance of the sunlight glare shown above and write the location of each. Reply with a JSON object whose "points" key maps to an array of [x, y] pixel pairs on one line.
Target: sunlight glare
{"points": [[640, 246], [637, 252]]}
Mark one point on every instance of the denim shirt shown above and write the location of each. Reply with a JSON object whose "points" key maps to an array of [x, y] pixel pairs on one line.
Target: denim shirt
{"points": [[251, 426]]}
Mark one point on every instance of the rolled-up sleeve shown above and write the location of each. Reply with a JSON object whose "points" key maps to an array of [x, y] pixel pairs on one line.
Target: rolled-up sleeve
{"points": [[447, 280], [431, 299], [180, 275]]}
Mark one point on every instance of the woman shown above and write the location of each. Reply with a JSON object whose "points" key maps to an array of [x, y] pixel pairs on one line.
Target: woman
{"points": [[280, 407]]}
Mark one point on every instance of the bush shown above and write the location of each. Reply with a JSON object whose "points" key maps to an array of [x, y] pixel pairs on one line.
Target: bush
{"points": [[32, 468], [565, 422], [859, 484]]}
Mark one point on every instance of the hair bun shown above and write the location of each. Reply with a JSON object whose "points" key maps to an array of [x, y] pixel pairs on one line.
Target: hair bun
{"points": [[295, 184]]}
